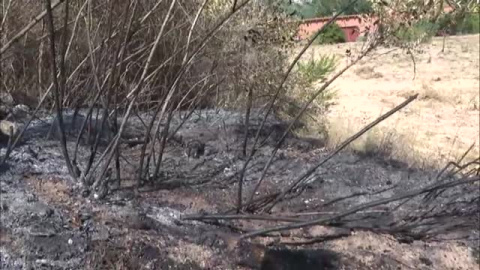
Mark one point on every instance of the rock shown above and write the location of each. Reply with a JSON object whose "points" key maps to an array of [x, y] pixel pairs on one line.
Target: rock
{"points": [[6, 98], [195, 149], [19, 111], [3, 111], [426, 261], [8, 128]]}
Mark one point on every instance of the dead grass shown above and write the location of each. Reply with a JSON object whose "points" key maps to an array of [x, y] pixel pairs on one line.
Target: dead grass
{"points": [[441, 125], [444, 255], [367, 72]]}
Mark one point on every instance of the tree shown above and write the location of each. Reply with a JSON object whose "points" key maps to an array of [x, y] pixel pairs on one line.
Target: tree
{"points": [[323, 8]]}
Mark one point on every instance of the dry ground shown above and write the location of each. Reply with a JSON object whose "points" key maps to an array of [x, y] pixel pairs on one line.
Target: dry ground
{"points": [[442, 124]]}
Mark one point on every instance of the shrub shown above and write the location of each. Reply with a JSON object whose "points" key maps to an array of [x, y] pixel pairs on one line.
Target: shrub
{"points": [[316, 69], [307, 74], [331, 34], [422, 32], [470, 24]]}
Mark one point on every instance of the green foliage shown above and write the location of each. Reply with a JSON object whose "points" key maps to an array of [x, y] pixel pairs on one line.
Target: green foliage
{"points": [[422, 32], [324, 8], [316, 69], [330, 7], [331, 34], [306, 78], [470, 24], [467, 24]]}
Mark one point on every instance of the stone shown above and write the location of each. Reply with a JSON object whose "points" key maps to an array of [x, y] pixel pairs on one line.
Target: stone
{"points": [[6, 98], [20, 111], [8, 128]]}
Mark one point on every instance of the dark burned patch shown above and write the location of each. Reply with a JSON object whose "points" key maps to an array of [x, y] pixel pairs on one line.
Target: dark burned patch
{"points": [[256, 256], [307, 259], [56, 247]]}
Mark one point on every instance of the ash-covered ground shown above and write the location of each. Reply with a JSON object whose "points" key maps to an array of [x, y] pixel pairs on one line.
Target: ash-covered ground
{"points": [[48, 221]]}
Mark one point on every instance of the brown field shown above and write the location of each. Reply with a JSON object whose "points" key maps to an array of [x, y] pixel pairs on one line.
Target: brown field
{"points": [[439, 126]]}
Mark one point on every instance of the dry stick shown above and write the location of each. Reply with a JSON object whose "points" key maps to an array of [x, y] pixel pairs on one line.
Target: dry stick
{"points": [[247, 122], [414, 64], [163, 144], [297, 117], [166, 130], [109, 90], [111, 82], [20, 135], [363, 207], [154, 117], [234, 5], [75, 25], [170, 114], [194, 23], [188, 62], [242, 217], [191, 111], [29, 26], [5, 13], [340, 148], [99, 93], [452, 173], [95, 99], [42, 100], [150, 12], [133, 95], [126, 41], [63, 140], [275, 97], [145, 145], [63, 76]]}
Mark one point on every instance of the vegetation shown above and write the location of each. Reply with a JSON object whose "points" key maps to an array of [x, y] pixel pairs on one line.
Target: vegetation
{"points": [[167, 56], [316, 69], [331, 34], [322, 8], [470, 24], [422, 32]]}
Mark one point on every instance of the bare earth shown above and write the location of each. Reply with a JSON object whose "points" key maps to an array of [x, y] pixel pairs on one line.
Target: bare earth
{"points": [[442, 124]]}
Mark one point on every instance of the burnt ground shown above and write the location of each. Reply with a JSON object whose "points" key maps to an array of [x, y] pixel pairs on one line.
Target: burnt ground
{"points": [[49, 222]]}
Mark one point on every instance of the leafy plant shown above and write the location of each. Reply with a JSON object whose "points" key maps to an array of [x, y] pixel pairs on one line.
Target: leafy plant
{"points": [[421, 32], [322, 8], [331, 34], [467, 24], [316, 69], [470, 24]]}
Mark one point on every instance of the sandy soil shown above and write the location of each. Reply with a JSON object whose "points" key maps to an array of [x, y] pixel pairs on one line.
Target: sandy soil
{"points": [[442, 124]]}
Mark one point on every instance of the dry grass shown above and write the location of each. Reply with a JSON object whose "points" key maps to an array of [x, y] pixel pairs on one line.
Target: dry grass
{"points": [[439, 126]]}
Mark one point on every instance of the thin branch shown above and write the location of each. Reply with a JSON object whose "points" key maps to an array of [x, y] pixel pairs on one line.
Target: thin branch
{"points": [[364, 206], [57, 91], [340, 148], [29, 26]]}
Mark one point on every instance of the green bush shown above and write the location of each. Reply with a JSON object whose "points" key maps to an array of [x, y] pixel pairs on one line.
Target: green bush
{"points": [[316, 69], [470, 24], [331, 34], [422, 32]]}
